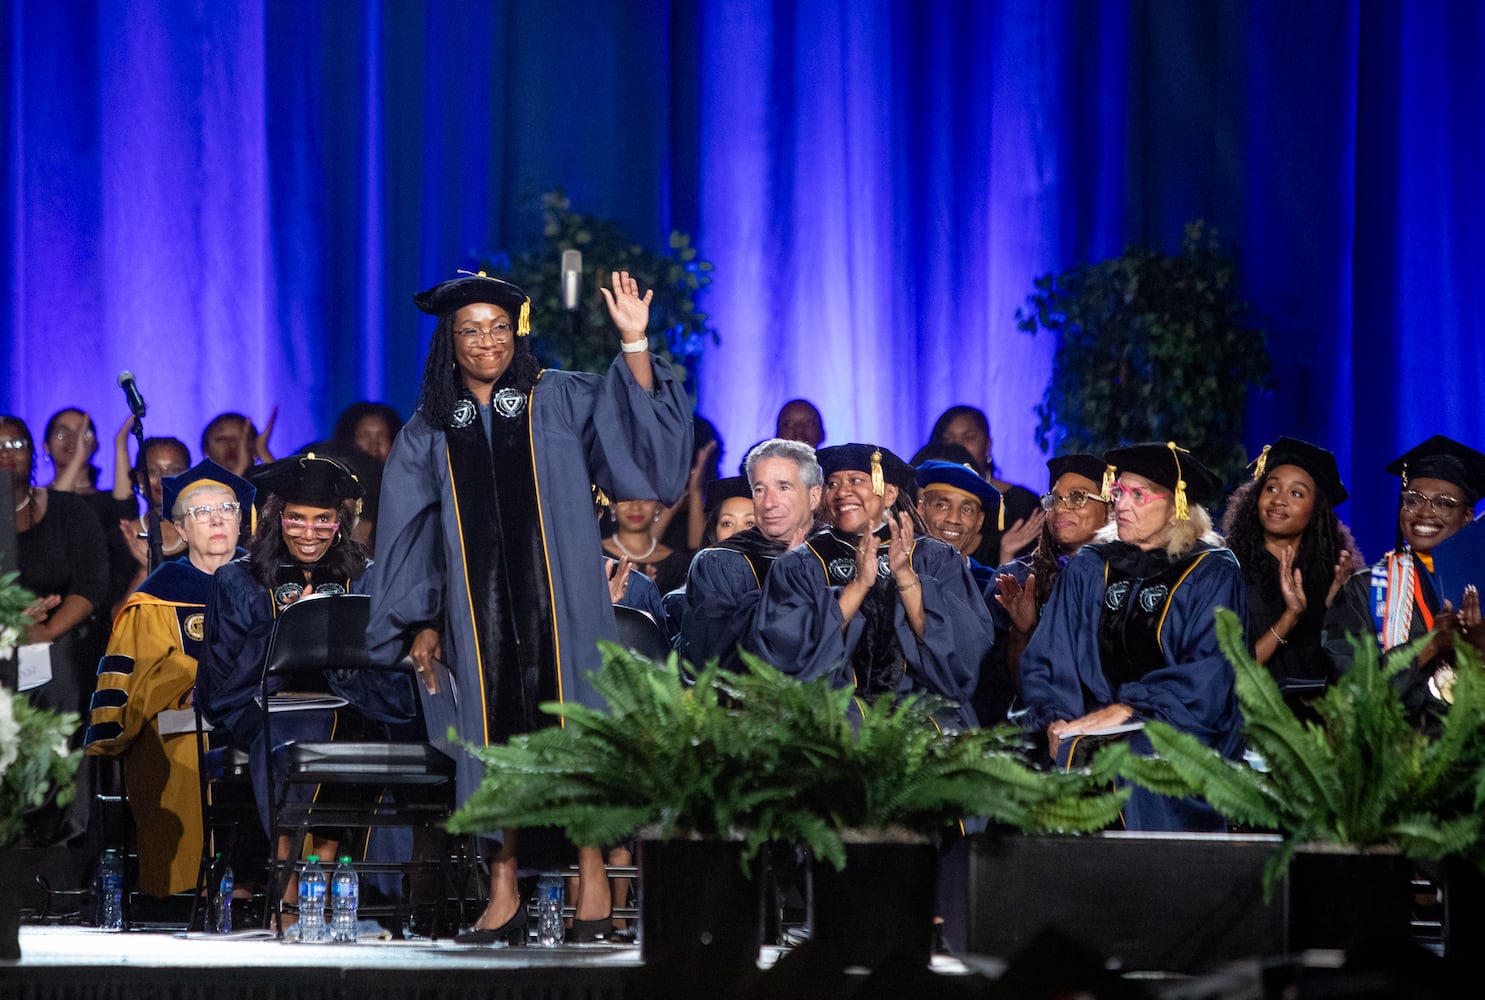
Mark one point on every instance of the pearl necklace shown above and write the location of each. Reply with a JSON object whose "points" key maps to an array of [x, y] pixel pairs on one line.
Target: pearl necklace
{"points": [[637, 558]]}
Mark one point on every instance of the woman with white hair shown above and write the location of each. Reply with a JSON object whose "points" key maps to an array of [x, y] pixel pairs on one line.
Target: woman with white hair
{"points": [[1129, 633]]}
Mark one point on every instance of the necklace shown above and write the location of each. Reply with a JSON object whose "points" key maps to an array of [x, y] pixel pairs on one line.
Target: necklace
{"points": [[637, 558], [24, 503]]}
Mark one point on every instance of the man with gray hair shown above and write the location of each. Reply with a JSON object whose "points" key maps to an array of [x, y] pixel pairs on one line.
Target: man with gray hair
{"points": [[725, 581]]}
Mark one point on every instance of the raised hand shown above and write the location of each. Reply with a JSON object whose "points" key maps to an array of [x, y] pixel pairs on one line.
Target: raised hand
{"points": [[1018, 600], [618, 578], [900, 545], [1019, 535], [261, 444], [630, 312], [1291, 584], [1343, 571]]}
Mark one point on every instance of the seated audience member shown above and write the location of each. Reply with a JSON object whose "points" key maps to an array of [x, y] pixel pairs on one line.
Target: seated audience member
{"points": [[799, 420], [302, 545], [163, 457], [952, 500], [1295, 555], [363, 438], [150, 667], [70, 444], [1075, 510], [1129, 633], [870, 601], [728, 508], [637, 539], [231, 441], [725, 580], [970, 428], [1398, 599]]}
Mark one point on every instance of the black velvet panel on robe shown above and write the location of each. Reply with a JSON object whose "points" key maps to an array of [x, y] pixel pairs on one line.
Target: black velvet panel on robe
{"points": [[507, 569]]}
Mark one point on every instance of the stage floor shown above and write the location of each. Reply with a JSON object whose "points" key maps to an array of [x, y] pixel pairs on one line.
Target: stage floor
{"points": [[80, 963]]}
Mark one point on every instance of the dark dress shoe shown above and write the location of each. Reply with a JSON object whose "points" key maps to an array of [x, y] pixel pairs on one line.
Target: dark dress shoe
{"points": [[589, 931], [512, 932]]}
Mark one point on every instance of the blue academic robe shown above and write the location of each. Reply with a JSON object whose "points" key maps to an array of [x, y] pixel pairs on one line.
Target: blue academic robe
{"points": [[1063, 676], [798, 624], [721, 598], [585, 429]]}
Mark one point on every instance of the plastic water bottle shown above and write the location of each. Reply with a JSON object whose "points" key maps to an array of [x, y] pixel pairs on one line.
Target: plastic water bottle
{"points": [[549, 927], [221, 913], [345, 899], [111, 891], [312, 901]]}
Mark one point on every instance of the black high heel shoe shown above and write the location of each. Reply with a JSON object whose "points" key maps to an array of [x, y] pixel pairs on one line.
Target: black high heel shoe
{"points": [[512, 932], [589, 931]]}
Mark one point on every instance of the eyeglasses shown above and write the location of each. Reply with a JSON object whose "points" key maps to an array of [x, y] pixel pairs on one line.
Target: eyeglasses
{"points": [[501, 331], [228, 510], [295, 525], [14, 444], [1076, 500], [1447, 506], [68, 434], [1134, 493]]}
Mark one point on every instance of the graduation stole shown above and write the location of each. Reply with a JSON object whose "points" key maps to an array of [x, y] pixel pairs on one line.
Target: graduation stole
{"points": [[1397, 588]]}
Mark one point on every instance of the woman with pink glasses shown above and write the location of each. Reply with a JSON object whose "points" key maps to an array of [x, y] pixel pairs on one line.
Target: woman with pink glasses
{"points": [[1129, 635]]}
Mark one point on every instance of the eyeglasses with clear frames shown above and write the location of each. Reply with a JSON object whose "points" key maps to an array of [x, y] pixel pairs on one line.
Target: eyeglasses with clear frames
{"points": [[501, 331], [1138, 496], [1076, 500], [1446, 506], [13, 444], [227, 511], [298, 526]]}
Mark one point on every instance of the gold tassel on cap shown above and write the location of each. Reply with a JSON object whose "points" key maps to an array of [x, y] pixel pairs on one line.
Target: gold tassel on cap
{"points": [[1109, 472], [1000, 516], [1260, 464], [1182, 513], [523, 325], [878, 484]]}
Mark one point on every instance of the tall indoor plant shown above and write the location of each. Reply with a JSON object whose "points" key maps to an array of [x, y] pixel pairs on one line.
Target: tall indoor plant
{"points": [[678, 276], [1150, 347]]}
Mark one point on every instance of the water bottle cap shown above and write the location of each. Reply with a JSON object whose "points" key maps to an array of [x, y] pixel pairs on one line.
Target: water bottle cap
{"points": [[345, 859], [313, 859]]}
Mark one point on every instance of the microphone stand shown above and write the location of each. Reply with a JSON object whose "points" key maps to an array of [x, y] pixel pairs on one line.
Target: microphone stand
{"points": [[142, 473]]}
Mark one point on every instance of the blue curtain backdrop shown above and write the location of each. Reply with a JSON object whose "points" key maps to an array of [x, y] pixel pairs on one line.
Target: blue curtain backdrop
{"points": [[236, 200]]}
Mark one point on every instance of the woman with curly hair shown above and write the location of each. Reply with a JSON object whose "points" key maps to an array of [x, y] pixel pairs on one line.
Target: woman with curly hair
{"points": [[1295, 555]]}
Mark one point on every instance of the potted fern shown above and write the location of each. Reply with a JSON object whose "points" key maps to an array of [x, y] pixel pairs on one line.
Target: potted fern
{"points": [[714, 770], [873, 792], [1357, 796]]}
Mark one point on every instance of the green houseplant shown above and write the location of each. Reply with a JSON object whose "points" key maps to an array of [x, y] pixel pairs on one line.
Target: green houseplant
{"points": [[1150, 347], [755, 757], [1363, 781], [678, 276], [36, 762]]}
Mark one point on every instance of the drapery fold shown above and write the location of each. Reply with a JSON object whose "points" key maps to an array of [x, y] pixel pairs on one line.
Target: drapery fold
{"points": [[235, 201]]}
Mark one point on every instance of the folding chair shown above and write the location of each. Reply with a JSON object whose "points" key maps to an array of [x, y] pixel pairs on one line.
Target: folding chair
{"points": [[316, 658]]}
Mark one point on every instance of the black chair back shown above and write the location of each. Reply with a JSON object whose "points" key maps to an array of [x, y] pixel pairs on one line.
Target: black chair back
{"points": [[639, 633], [320, 632]]}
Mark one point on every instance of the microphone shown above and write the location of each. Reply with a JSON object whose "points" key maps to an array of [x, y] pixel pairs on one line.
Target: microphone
{"points": [[572, 280], [131, 393]]}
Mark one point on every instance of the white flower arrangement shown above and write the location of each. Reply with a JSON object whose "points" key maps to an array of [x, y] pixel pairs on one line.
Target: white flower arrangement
{"points": [[35, 761]]}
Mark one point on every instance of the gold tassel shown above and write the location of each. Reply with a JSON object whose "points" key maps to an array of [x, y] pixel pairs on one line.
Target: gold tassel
{"points": [[1000, 516], [1260, 464], [523, 325], [1182, 512], [600, 497], [1109, 472], [878, 483]]}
